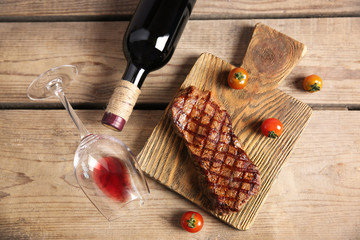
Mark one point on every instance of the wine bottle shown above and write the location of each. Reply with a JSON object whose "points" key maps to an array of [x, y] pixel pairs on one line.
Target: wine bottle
{"points": [[149, 42]]}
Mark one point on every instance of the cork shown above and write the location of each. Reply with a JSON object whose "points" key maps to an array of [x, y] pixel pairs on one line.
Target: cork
{"points": [[121, 105]]}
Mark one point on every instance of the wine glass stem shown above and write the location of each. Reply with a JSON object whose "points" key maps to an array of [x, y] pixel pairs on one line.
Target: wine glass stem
{"points": [[80, 126]]}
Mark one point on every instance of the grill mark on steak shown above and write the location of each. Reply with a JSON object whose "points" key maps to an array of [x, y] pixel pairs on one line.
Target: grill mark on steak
{"points": [[204, 124]]}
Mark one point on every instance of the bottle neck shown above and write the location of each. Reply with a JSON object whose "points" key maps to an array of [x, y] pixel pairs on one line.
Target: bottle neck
{"points": [[134, 74]]}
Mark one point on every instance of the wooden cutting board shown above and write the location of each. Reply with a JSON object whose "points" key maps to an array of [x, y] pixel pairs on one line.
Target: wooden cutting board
{"points": [[269, 58]]}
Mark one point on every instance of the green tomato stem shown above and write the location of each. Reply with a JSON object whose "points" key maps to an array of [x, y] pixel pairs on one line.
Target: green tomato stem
{"points": [[314, 87], [239, 76], [272, 134], [191, 221]]}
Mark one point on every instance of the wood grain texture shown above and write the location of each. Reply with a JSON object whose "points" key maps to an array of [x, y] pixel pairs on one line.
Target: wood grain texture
{"points": [[316, 195], [270, 58], [165, 158], [95, 47], [203, 8]]}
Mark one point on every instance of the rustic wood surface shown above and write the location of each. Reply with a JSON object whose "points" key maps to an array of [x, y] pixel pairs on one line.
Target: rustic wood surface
{"points": [[95, 47], [56, 9], [315, 196]]}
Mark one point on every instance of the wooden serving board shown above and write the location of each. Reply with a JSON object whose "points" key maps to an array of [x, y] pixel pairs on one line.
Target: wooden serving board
{"points": [[269, 59]]}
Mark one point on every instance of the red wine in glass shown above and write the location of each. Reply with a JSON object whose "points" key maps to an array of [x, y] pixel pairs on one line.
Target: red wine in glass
{"points": [[112, 177]]}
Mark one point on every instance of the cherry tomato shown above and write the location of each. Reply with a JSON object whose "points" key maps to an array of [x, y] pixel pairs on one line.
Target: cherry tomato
{"points": [[192, 221], [312, 83], [238, 78], [272, 127]]}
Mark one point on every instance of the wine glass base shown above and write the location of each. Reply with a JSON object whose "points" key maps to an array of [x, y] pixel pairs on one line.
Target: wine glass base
{"points": [[39, 88]]}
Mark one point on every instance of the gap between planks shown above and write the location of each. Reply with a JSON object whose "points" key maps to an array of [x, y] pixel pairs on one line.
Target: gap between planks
{"points": [[145, 106], [126, 18]]}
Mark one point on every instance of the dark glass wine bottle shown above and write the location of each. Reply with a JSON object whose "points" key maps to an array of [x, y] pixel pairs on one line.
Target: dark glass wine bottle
{"points": [[149, 42]]}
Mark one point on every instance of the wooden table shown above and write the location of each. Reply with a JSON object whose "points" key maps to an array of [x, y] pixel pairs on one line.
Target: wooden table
{"points": [[317, 193]]}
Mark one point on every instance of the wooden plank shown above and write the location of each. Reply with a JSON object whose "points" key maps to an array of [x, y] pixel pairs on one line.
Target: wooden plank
{"points": [[203, 9], [316, 196], [28, 49]]}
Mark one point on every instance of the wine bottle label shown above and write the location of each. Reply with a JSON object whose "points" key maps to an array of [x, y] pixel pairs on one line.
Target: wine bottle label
{"points": [[123, 99]]}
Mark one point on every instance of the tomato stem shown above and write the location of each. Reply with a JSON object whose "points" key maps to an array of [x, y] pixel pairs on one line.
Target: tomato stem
{"points": [[314, 87], [272, 134], [191, 221], [239, 76]]}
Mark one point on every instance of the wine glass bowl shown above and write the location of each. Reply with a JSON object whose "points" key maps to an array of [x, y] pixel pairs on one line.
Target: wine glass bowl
{"points": [[108, 174], [105, 168]]}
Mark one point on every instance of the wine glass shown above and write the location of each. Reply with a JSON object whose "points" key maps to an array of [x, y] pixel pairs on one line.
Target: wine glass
{"points": [[105, 168]]}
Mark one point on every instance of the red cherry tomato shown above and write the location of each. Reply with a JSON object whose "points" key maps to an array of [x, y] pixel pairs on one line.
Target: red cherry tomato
{"points": [[312, 83], [272, 127], [237, 78], [192, 221]]}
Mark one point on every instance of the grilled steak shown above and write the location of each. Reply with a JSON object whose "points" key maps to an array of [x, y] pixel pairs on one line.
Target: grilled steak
{"points": [[201, 120]]}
